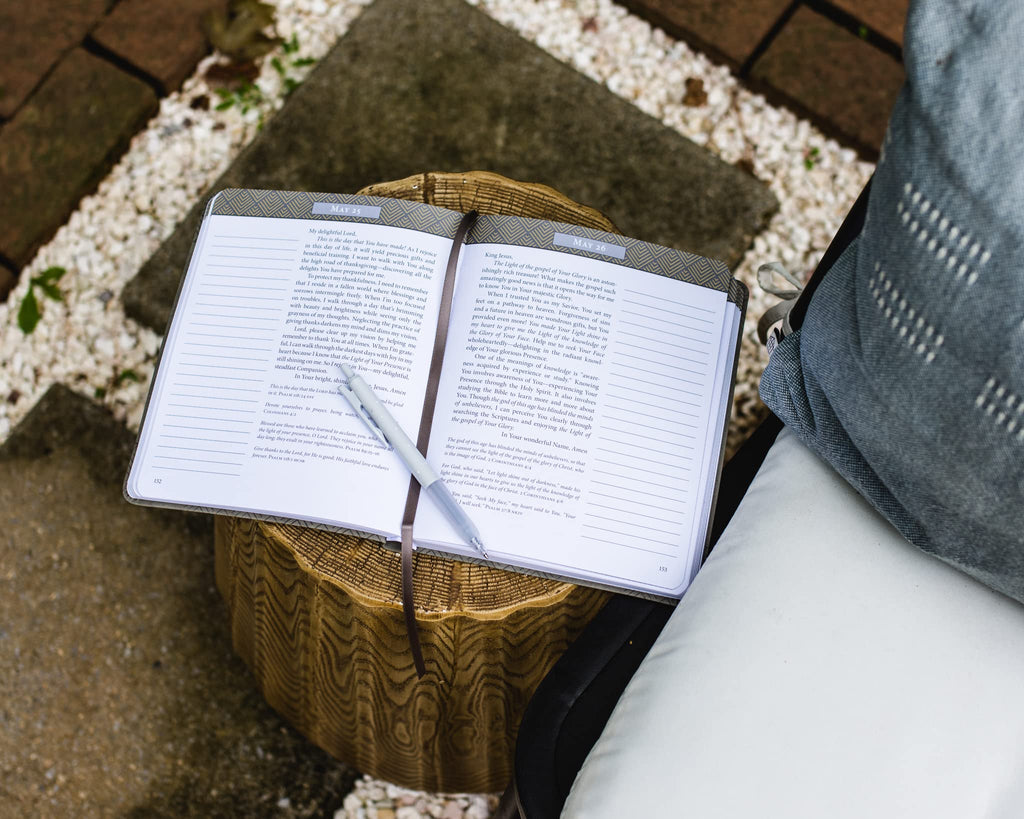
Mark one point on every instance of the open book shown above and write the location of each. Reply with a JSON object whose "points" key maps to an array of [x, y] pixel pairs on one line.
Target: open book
{"points": [[581, 408]]}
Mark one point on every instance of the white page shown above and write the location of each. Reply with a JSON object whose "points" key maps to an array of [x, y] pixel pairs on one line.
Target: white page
{"points": [[610, 478], [715, 438], [244, 414]]}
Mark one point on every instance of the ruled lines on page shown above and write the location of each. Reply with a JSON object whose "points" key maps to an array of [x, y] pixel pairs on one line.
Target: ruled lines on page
{"points": [[648, 444], [224, 353]]}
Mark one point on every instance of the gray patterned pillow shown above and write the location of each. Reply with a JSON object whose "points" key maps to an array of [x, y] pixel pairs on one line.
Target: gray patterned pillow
{"points": [[907, 374]]}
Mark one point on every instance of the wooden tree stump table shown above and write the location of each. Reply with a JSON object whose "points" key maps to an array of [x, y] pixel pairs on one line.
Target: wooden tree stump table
{"points": [[318, 616]]}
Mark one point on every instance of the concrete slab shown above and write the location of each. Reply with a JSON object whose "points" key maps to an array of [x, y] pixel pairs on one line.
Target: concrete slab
{"points": [[120, 694], [440, 86]]}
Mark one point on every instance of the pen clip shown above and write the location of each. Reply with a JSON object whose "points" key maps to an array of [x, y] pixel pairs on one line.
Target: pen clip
{"points": [[360, 410]]}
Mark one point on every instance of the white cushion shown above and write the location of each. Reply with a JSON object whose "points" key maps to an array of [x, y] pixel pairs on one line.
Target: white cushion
{"points": [[819, 666]]}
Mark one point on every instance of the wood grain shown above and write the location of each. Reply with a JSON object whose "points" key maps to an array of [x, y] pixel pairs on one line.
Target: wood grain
{"points": [[490, 193], [318, 616]]}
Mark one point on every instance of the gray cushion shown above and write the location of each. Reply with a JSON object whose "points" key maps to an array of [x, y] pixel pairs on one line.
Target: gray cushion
{"points": [[819, 666]]}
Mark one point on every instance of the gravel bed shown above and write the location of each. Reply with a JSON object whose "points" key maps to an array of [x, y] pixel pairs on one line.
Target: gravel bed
{"points": [[373, 799], [87, 343]]}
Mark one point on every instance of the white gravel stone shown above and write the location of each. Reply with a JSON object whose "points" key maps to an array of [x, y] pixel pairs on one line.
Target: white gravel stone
{"points": [[372, 795], [87, 343]]}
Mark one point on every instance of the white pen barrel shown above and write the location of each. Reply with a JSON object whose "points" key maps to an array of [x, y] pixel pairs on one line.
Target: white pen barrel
{"points": [[396, 436], [372, 410]]}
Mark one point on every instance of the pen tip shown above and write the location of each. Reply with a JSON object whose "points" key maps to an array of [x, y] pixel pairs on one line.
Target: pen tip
{"points": [[479, 546]]}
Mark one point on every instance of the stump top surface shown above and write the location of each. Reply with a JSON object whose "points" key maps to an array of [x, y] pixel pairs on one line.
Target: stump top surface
{"points": [[491, 193], [370, 572]]}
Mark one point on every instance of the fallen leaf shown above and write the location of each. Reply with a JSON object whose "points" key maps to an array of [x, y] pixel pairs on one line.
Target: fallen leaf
{"points": [[695, 94], [232, 74], [238, 32]]}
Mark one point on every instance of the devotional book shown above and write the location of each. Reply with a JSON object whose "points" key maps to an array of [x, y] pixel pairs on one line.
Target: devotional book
{"points": [[581, 409]]}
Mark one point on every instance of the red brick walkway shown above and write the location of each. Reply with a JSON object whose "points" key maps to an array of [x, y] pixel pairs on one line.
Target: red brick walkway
{"points": [[80, 77], [835, 62]]}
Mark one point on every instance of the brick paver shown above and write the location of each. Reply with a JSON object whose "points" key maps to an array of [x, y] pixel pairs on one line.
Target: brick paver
{"points": [[164, 38], [810, 61], [61, 143], [8, 278], [70, 113], [884, 16], [34, 34], [847, 85], [726, 30]]}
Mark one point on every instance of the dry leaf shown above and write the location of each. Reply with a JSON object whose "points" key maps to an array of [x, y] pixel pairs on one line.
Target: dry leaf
{"points": [[231, 74], [239, 32], [695, 94]]}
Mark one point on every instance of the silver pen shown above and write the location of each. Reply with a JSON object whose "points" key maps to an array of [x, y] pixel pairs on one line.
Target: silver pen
{"points": [[387, 430]]}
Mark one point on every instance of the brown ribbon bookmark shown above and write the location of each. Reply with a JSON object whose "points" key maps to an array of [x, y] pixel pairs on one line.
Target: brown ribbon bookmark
{"points": [[426, 419]]}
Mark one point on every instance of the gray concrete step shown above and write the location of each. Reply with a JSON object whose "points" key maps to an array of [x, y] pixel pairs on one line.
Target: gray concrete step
{"points": [[440, 86], [120, 694]]}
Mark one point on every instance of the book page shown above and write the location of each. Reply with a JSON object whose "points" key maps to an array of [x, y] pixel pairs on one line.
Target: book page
{"points": [[245, 415], [715, 439], [573, 418]]}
